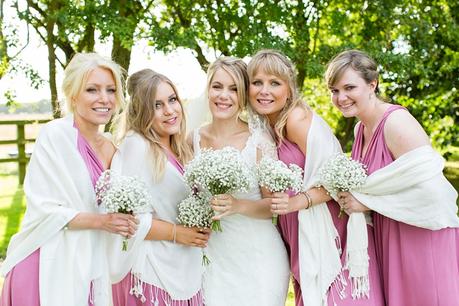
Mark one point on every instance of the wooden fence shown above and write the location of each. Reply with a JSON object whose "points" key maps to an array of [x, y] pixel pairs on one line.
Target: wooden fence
{"points": [[20, 141]]}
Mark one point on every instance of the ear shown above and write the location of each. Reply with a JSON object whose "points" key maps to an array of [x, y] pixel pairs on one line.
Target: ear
{"points": [[373, 85]]}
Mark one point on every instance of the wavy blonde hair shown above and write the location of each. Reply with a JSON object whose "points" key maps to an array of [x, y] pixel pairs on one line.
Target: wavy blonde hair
{"points": [[142, 87], [275, 63], [237, 69], [77, 72]]}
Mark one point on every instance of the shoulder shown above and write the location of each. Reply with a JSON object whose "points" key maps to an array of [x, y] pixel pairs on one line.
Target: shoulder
{"points": [[298, 124], [133, 142], [57, 130], [403, 133]]}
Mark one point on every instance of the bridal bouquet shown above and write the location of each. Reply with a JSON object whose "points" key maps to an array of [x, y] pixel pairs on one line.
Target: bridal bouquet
{"points": [[276, 176], [218, 172], [121, 194], [342, 173], [195, 211]]}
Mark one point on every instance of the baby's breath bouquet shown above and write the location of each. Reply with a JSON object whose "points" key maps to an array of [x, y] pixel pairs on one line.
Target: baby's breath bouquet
{"points": [[121, 194], [195, 211], [218, 172], [342, 173], [276, 176]]}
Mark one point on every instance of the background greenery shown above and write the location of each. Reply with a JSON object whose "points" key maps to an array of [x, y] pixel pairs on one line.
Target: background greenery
{"points": [[416, 43]]}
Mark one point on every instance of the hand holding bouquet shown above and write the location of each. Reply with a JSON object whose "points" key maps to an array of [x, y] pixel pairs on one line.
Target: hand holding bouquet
{"points": [[195, 211], [121, 194], [218, 172], [275, 176], [342, 173]]}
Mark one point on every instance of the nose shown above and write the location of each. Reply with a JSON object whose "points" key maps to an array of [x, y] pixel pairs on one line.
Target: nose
{"points": [[168, 110], [224, 94], [264, 90], [342, 96], [104, 97]]}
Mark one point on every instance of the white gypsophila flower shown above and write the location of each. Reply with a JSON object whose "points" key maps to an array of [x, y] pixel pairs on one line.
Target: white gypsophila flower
{"points": [[195, 211], [218, 171], [121, 194], [342, 173], [276, 176]]}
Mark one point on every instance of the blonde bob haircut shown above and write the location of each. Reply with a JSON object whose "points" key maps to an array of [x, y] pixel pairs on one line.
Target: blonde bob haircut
{"points": [[273, 62], [77, 72], [359, 61], [237, 69], [137, 116]]}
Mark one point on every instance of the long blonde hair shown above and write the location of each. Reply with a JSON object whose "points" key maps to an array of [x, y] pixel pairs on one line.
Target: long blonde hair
{"points": [[77, 72], [275, 63], [142, 87]]}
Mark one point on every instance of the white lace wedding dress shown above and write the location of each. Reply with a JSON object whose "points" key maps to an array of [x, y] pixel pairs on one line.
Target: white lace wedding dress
{"points": [[248, 261]]}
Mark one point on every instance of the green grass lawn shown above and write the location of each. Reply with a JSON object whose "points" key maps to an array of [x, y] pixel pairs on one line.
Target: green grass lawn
{"points": [[12, 207]]}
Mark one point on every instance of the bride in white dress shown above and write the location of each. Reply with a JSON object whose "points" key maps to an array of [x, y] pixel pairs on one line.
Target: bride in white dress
{"points": [[248, 260]]}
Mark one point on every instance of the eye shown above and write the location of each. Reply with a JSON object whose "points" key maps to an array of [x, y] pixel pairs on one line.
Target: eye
{"points": [[111, 90], [158, 105], [275, 83], [173, 99], [257, 83], [216, 86], [233, 88], [333, 91], [91, 89], [351, 87]]}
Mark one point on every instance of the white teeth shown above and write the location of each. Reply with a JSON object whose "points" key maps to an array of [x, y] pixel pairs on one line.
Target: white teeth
{"points": [[101, 109], [264, 101], [220, 105]]}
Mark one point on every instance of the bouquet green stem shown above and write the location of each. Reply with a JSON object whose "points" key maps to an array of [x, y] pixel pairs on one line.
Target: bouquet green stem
{"points": [[216, 226], [125, 244], [274, 219]]}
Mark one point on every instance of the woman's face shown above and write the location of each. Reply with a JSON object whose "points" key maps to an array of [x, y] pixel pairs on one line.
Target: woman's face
{"points": [[168, 112], [223, 97], [268, 94], [95, 104], [351, 93]]}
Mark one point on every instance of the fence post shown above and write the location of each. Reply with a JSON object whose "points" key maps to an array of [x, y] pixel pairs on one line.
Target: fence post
{"points": [[22, 158]]}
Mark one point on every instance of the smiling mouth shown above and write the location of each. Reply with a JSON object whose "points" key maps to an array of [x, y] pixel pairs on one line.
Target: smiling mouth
{"points": [[346, 106], [264, 101], [171, 121], [223, 106], [101, 109]]}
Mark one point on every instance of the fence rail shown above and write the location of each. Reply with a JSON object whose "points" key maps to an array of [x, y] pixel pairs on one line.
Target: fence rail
{"points": [[21, 141]]}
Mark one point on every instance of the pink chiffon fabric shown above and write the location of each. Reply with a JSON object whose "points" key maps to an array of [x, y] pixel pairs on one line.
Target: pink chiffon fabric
{"points": [[26, 273], [154, 296], [419, 266], [290, 153]]}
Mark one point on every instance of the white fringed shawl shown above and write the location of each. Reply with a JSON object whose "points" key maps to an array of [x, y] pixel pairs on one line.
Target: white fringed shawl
{"points": [[57, 188], [175, 268], [413, 190], [319, 254]]}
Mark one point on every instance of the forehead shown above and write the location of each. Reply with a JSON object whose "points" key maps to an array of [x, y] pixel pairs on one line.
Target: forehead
{"points": [[221, 75], [349, 75], [164, 91], [100, 75]]}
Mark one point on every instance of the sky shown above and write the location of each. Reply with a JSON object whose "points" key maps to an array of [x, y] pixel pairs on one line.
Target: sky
{"points": [[180, 66]]}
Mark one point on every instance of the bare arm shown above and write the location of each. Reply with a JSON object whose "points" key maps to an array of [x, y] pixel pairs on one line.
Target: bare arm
{"points": [[191, 236], [403, 133], [116, 223]]}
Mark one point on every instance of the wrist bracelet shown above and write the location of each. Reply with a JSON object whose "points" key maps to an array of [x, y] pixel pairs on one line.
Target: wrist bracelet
{"points": [[174, 233], [308, 197]]}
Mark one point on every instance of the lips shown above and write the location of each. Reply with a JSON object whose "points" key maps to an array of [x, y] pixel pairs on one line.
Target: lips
{"points": [[265, 101], [101, 109], [223, 105], [171, 121]]}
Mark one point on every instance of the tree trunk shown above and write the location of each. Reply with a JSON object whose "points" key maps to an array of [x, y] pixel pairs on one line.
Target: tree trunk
{"points": [[52, 69], [120, 54], [4, 59]]}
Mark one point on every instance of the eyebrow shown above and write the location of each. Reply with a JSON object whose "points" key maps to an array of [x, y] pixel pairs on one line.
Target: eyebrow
{"points": [[171, 96]]}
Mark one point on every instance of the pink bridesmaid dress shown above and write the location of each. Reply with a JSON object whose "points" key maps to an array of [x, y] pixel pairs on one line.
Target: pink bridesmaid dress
{"points": [[290, 153], [26, 273], [419, 267]]}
